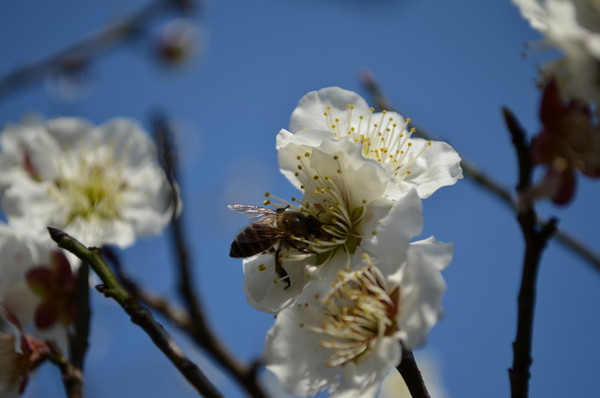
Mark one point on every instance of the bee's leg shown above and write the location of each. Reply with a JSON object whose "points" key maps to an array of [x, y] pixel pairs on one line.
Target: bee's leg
{"points": [[281, 272]]}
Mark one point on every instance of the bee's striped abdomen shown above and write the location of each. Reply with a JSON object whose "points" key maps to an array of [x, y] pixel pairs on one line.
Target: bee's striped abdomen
{"points": [[254, 239]]}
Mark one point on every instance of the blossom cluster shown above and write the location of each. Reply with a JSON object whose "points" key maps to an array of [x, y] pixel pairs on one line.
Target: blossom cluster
{"points": [[102, 185], [339, 266]]}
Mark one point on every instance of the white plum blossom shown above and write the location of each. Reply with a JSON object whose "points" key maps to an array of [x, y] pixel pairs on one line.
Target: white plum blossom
{"points": [[352, 199], [103, 185], [348, 339], [573, 27], [384, 137]]}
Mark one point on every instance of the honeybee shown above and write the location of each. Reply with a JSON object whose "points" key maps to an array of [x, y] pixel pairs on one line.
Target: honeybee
{"points": [[274, 230]]}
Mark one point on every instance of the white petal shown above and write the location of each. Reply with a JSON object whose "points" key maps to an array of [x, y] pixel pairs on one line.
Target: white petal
{"points": [[264, 290], [386, 235], [294, 354], [309, 112], [364, 378], [438, 166], [422, 288]]}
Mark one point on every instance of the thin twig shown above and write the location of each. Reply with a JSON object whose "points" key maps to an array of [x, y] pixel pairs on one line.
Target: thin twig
{"points": [[486, 182], [200, 330], [88, 48], [78, 337], [71, 374], [138, 314], [160, 304], [412, 376], [536, 239]]}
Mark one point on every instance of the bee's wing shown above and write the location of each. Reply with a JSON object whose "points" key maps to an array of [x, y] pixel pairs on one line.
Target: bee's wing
{"points": [[253, 212]]}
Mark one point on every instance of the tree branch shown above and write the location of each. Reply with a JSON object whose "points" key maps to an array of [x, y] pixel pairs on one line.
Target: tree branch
{"points": [[536, 239], [412, 376], [138, 314], [199, 329], [71, 374], [78, 337], [85, 50], [178, 316]]}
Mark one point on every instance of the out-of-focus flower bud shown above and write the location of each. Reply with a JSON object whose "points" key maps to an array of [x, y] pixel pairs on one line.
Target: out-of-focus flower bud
{"points": [[70, 79], [178, 42]]}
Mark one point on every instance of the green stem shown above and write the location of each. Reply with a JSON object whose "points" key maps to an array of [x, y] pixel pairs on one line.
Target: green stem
{"points": [[111, 287]]}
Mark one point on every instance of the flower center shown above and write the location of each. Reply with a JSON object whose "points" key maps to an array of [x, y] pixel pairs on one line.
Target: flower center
{"points": [[384, 139], [328, 200], [359, 311], [90, 184]]}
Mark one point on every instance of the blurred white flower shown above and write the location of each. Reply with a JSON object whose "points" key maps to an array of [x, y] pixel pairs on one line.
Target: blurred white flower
{"points": [[179, 41], [102, 185], [348, 195], [411, 162], [350, 338], [572, 26]]}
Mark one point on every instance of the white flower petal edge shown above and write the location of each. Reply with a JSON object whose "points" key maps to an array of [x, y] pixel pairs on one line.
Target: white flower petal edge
{"points": [[102, 185], [349, 339], [411, 162], [422, 287]]}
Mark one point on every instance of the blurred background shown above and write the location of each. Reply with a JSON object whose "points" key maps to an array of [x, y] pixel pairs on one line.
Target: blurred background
{"points": [[232, 85]]}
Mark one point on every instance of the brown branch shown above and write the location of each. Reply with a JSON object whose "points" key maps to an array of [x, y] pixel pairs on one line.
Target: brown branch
{"points": [[199, 329], [486, 182], [536, 239], [71, 374], [139, 315], [88, 48], [412, 376], [78, 337], [78, 340], [178, 316]]}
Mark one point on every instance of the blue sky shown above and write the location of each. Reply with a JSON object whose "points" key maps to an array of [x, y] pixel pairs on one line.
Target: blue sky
{"points": [[450, 66]]}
